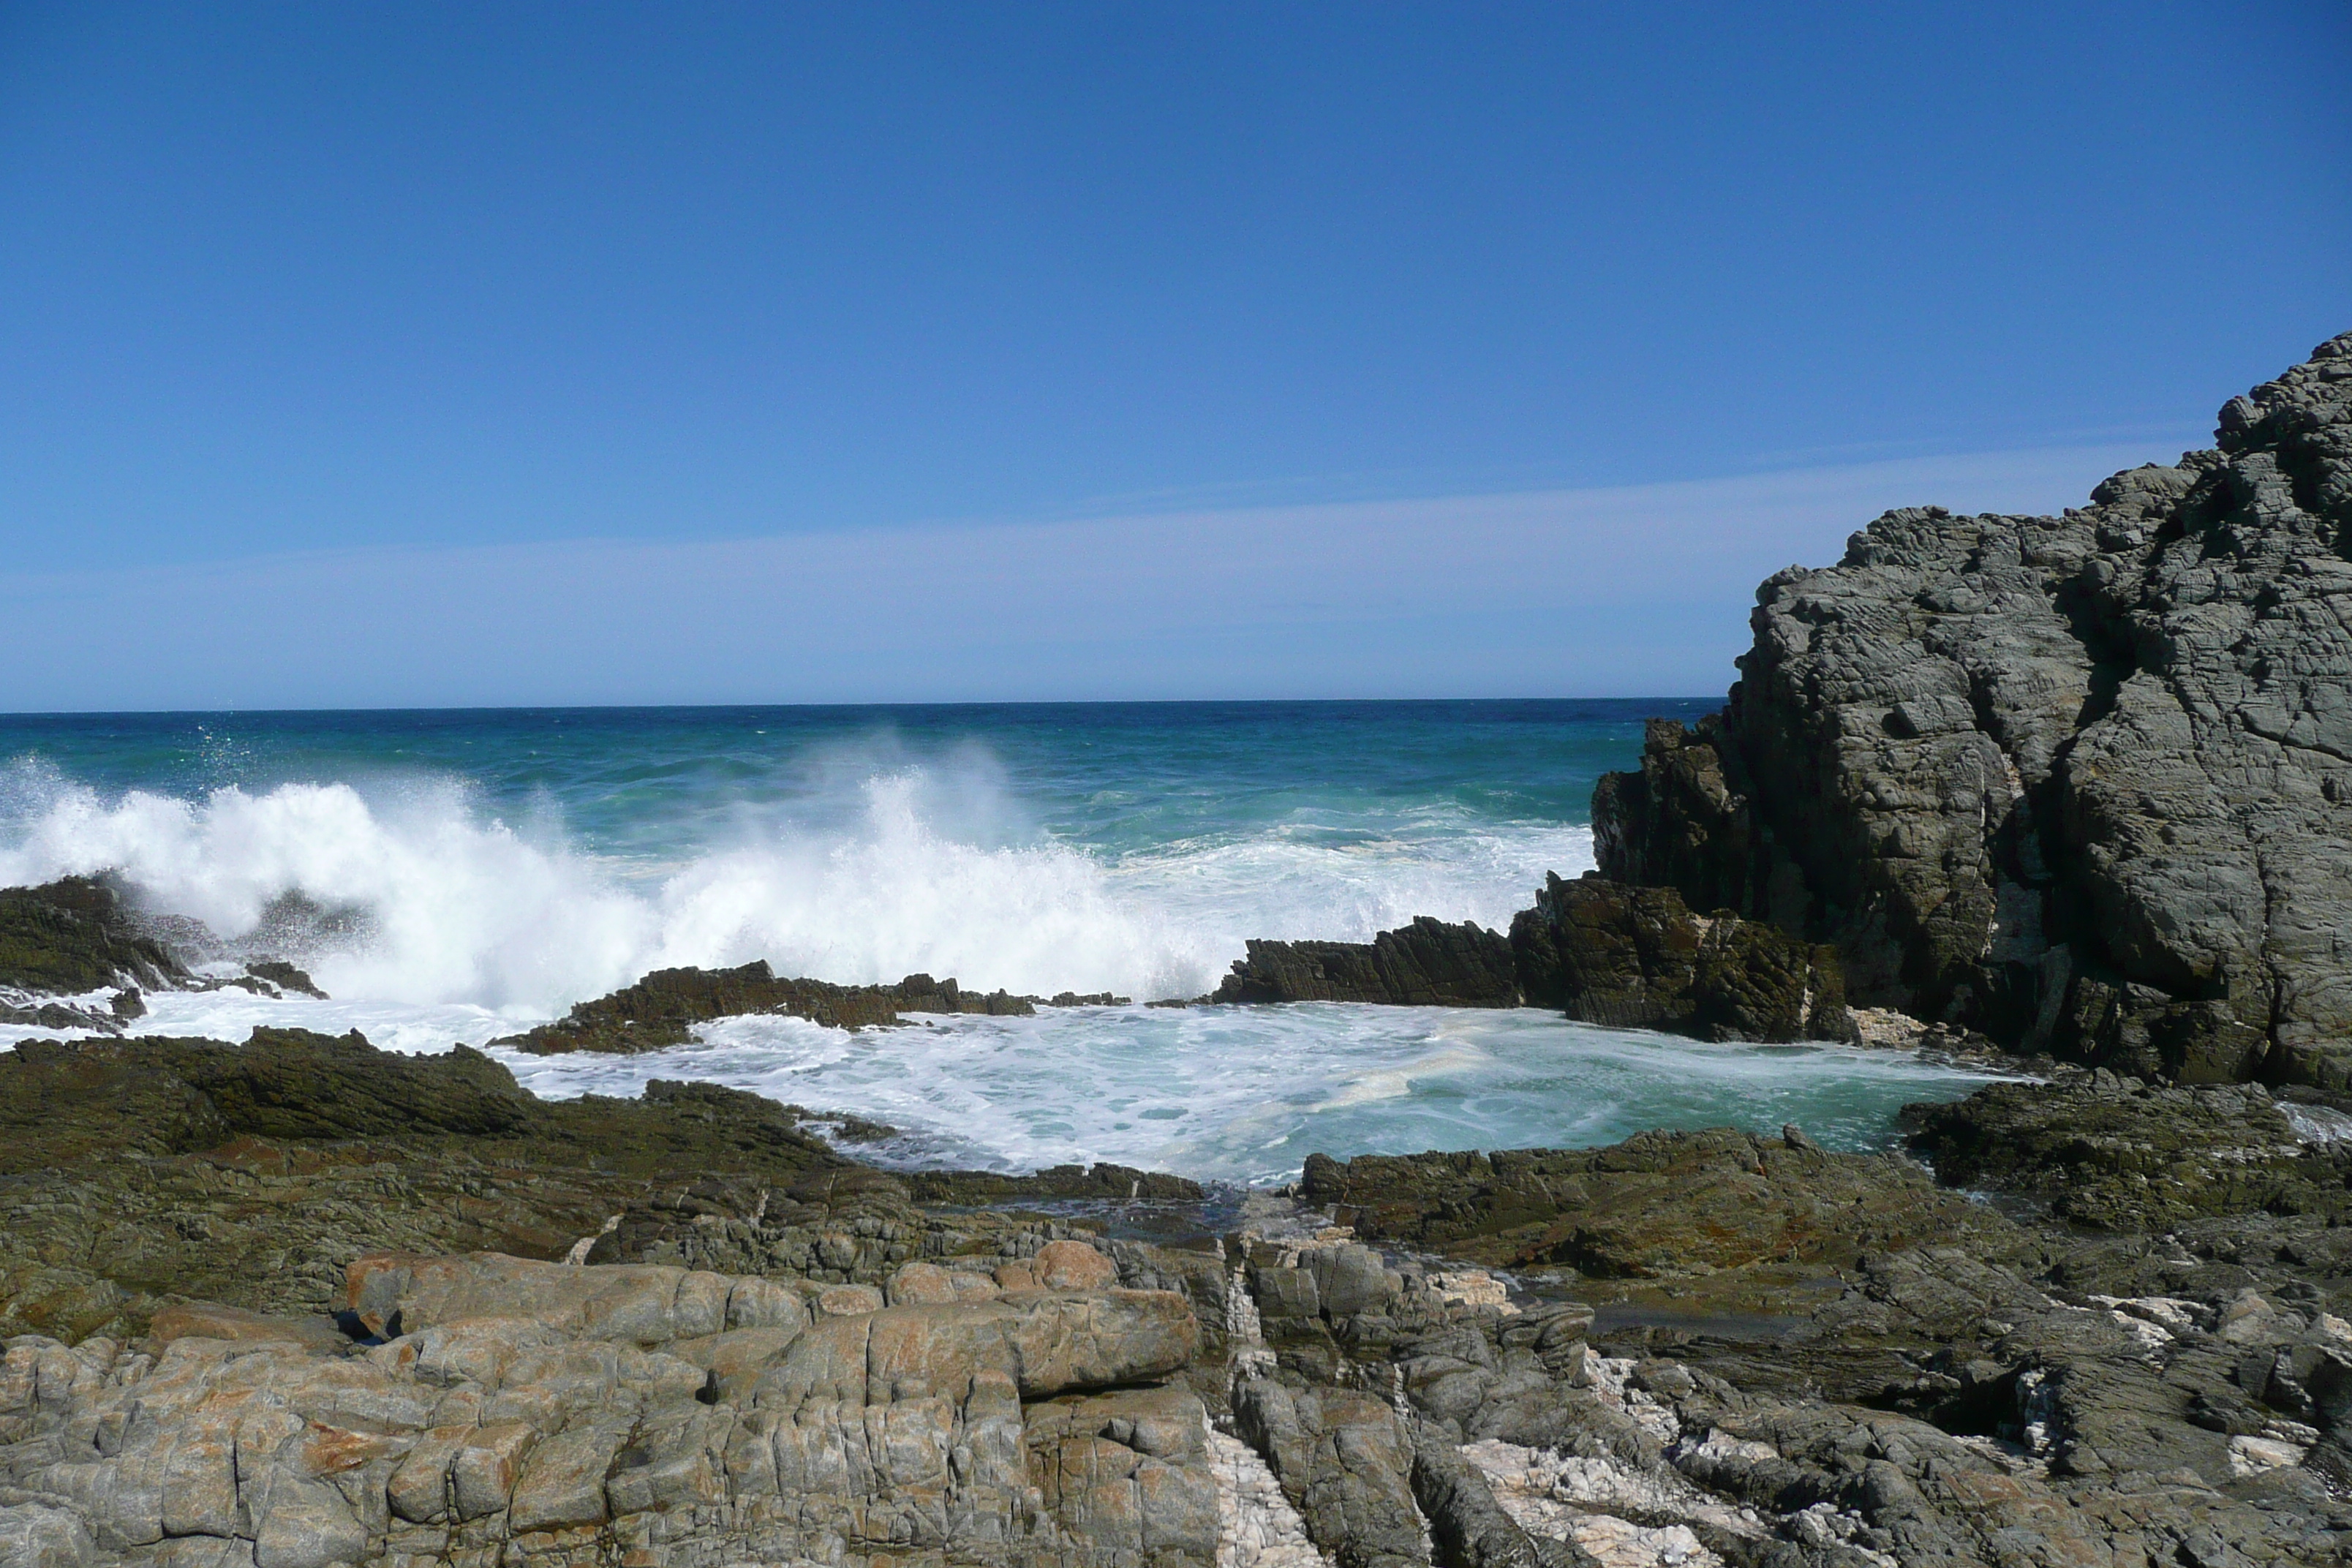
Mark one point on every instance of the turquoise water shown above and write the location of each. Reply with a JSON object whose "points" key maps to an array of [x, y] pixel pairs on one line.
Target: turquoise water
{"points": [[466, 873]]}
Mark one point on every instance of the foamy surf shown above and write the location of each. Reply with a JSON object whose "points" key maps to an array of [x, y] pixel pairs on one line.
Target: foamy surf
{"points": [[1243, 1094], [453, 878]]}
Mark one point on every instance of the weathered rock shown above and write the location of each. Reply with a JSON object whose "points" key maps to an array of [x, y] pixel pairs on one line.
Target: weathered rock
{"points": [[1344, 1462], [1638, 958], [2078, 782], [1021, 1431], [134, 1174], [1426, 963]]}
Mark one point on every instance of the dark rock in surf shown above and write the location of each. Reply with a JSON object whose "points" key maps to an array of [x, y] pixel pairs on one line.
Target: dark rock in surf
{"points": [[662, 1009], [1639, 958], [921, 993], [1100, 1183], [1426, 963], [276, 971], [2081, 783], [78, 934]]}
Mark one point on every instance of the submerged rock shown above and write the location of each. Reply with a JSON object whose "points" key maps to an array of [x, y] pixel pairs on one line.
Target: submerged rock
{"points": [[2076, 782]]}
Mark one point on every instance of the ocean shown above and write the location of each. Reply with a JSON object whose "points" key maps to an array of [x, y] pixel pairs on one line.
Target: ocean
{"points": [[454, 876]]}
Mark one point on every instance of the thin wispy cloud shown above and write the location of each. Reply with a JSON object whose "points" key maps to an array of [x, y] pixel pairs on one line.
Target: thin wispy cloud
{"points": [[1553, 593]]}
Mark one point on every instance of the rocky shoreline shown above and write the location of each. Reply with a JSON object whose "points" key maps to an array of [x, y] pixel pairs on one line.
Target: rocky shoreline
{"points": [[303, 1301], [2072, 787]]}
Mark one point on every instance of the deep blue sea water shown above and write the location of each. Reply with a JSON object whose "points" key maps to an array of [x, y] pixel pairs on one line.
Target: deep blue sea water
{"points": [[484, 869]]}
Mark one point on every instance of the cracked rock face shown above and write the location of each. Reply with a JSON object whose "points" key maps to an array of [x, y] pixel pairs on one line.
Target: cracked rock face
{"points": [[540, 1413], [2084, 783]]}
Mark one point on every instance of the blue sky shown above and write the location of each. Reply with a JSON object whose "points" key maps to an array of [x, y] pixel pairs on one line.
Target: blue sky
{"points": [[1247, 351]]}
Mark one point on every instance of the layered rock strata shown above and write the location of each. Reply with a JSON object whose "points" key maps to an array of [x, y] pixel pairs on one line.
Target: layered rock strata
{"points": [[2079, 782]]}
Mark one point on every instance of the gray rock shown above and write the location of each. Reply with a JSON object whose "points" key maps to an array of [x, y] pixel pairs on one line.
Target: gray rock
{"points": [[36, 1536], [2078, 782], [1344, 1463]]}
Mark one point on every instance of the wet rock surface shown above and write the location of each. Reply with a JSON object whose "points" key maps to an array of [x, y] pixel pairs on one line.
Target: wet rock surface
{"points": [[2079, 783], [1598, 952], [2124, 1155]]}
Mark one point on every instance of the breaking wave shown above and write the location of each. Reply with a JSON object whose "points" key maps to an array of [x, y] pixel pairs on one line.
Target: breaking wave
{"points": [[411, 892]]}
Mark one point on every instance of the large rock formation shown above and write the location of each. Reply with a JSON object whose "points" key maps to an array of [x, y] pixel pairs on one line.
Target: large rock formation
{"points": [[2084, 783]]}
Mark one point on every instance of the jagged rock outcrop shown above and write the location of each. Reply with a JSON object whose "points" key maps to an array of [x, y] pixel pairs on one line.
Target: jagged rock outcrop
{"points": [[1638, 958], [1426, 963], [2083, 783]]}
